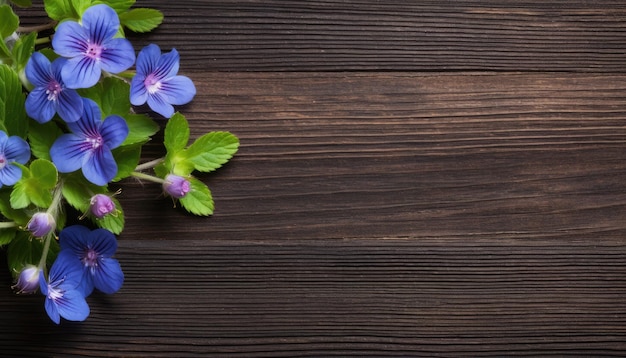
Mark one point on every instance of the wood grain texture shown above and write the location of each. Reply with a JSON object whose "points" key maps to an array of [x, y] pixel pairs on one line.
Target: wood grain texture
{"points": [[414, 179]]}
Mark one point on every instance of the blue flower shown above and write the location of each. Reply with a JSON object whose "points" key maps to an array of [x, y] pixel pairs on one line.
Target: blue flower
{"points": [[156, 81], [93, 249], [50, 95], [91, 47], [12, 150], [63, 299], [89, 145]]}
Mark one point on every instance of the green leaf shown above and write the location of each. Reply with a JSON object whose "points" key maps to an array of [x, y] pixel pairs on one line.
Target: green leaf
{"points": [[18, 216], [22, 3], [198, 200], [176, 133], [60, 9], [115, 96], [140, 128], [23, 49], [7, 235], [212, 150], [80, 6], [12, 109], [35, 186], [114, 222], [77, 191], [41, 138], [127, 158], [118, 5], [9, 23], [24, 250], [141, 19]]}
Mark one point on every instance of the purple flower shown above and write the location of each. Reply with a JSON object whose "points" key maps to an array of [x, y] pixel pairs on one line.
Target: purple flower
{"points": [[63, 299], [89, 145], [101, 205], [176, 186], [93, 249], [28, 280], [50, 95], [41, 224], [91, 47], [157, 83], [12, 150]]}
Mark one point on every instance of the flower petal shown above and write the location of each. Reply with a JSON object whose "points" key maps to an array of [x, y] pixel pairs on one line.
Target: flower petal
{"points": [[100, 166], [103, 242], [38, 70], [52, 310], [178, 89], [74, 238], [81, 72], [69, 105], [117, 56], [159, 103], [17, 149], [70, 39], [101, 23], [68, 153], [89, 123], [67, 269], [138, 91], [72, 306], [148, 59], [38, 106], [108, 276], [10, 175], [114, 131]]}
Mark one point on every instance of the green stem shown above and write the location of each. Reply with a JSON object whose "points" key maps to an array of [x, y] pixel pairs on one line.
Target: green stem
{"points": [[148, 177], [36, 28], [57, 195], [150, 164], [44, 253], [7, 224]]}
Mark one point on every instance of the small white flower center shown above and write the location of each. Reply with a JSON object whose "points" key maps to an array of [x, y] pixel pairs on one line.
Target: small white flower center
{"points": [[152, 84], [93, 51], [3, 161], [95, 142], [53, 90]]}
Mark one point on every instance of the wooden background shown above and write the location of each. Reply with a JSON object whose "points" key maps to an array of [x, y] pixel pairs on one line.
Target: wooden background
{"points": [[415, 178]]}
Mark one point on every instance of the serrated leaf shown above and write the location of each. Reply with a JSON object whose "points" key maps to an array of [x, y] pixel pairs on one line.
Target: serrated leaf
{"points": [[41, 138], [10, 21], [19, 198], [176, 135], [23, 49], [140, 128], [141, 19], [127, 158], [20, 217], [12, 109], [198, 200], [212, 150], [80, 6]]}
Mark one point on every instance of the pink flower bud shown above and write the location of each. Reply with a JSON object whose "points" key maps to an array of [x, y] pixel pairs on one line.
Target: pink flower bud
{"points": [[176, 186], [41, 224], [28, 280], [101, 205]]}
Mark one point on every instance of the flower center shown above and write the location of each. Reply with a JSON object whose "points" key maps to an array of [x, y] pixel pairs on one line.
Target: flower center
{"points": [[52, 90], [91, 258], [152, 84], [94, 142], [3, 161], [93, 51]]}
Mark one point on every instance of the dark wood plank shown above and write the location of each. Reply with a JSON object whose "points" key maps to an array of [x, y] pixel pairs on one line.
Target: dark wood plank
{"points": [[464, 296], [404, 155], [331, 35]]}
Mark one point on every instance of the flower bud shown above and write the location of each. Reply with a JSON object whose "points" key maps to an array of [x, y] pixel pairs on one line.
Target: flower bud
{"points": [[41, 224], [176, 186], [28, 280], [101, 205]]}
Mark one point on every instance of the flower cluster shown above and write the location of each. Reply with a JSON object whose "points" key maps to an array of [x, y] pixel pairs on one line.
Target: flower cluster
{"points": [[69, 129]]}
